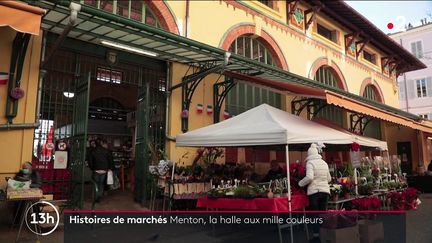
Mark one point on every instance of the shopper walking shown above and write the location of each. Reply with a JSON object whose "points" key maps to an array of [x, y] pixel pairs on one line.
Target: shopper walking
{"points": [[317, 181], [100, 161]]}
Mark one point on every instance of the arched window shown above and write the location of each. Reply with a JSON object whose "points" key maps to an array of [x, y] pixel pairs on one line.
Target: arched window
{"points": [[373, 128], [371, 93], [326, 76], [132, 9], [243, 97]]}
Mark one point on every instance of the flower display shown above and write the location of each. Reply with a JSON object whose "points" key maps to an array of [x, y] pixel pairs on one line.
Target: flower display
{"points": [[297, 172], [367, 203], [404, 200], [335, 189]]}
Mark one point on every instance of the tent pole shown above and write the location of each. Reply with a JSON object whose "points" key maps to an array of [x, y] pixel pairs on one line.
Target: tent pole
{"points": [[289, 190], [288, 176]]}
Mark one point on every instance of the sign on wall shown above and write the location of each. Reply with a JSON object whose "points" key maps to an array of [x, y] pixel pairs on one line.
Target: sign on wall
{"points": [[60, 160]]}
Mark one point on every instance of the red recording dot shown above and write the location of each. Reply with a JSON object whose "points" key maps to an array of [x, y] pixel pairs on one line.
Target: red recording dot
{"points": [[390, 25]]}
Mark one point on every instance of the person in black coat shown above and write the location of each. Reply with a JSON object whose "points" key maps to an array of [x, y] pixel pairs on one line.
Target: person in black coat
{"points": [[275, 172], [100, 162]]}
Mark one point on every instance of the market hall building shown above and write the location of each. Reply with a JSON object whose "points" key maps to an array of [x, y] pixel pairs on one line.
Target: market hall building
{"points": [[140, 72]]}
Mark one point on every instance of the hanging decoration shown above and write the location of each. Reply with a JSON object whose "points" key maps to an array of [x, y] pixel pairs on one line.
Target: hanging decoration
{"points": [[185, 114], [226, 114], [209, 109], [4, 77], [17, 93], [199, 108], [355, 146]]}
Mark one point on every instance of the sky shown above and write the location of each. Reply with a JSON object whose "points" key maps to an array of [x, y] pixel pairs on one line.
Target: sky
{"points": [[399, 13]]}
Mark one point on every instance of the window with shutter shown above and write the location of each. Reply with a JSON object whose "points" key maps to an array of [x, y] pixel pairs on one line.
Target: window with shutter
{"points": [[421, 88], [402, 93], [417, 49], [429, 86], [411, 89], [243, 97]]}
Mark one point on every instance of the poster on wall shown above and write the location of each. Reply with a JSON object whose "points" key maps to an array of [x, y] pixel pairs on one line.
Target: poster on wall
{"points": [[60, 161]]}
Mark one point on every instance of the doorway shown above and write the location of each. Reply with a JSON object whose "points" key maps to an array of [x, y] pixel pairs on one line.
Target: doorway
{"points": [[404, 151], [113, 106]]}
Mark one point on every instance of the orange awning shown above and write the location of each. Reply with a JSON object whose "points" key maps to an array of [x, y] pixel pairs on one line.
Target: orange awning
{"points": [[21, 17], [277, 86], [360, 107]]}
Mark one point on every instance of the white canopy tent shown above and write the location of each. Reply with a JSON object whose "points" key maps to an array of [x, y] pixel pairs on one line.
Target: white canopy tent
{"points": [[262, 125], [266, 125]]}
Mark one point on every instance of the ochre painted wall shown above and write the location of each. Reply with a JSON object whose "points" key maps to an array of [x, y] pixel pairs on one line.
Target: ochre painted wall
{"points": [[300, 48], [16, 145], [304, 52]]}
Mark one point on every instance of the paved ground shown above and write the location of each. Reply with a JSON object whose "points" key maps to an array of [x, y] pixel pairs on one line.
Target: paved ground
{"points": [[418, 228]]}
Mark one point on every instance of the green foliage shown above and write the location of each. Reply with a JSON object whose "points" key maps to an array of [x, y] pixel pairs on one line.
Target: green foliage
{"points": [[348, 170], [366, 189], [244, 192]]}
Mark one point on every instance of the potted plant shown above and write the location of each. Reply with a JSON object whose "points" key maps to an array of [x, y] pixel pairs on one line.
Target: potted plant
{"points": [[346, 189]]}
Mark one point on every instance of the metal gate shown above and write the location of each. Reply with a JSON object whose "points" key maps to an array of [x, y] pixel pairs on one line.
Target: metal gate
{"points": [[79, 140], [141, 148], [150, 127], [64, 113]]}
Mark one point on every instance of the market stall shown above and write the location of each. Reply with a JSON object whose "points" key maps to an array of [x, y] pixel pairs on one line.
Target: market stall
{"points": [[265, 125]]}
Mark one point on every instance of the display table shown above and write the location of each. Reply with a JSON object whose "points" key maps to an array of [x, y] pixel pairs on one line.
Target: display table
{"points": [[25, 198], [256, 204]]}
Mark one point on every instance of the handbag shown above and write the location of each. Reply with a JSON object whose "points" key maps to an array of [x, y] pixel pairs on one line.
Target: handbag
{"points": [[110, 177]]}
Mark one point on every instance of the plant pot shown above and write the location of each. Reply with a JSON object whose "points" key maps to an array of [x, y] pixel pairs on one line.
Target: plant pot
{"points": [[276, 195], [284, 194], [347, 195], [270, 195]]}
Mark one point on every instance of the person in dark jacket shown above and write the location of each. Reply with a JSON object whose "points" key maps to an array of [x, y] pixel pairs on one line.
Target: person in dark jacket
{"points": [[100, 162], [28, 174], [275, 172]]}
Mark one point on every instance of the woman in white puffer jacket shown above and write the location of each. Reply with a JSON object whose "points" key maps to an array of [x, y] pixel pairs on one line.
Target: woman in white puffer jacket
{"points": [[317, 179]]}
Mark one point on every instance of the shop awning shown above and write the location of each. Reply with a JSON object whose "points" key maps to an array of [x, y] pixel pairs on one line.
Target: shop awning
{"points": [[95, 26], [21, 17], [376, 112], [362, 140]]}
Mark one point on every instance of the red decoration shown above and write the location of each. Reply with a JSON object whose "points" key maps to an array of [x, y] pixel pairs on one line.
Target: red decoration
{"points": [[209, 110], [226, 115], [17, 93], [4, 77], [367, 203], [355, 147], [199, 108]]}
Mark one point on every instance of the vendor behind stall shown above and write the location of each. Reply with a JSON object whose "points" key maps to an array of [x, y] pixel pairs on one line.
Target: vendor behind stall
{"points": [[28, 174], [275, 172]]}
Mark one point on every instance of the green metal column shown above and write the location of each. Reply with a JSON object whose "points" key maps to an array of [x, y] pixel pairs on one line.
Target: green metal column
{"points": [[79, 140], [141, 187]]}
